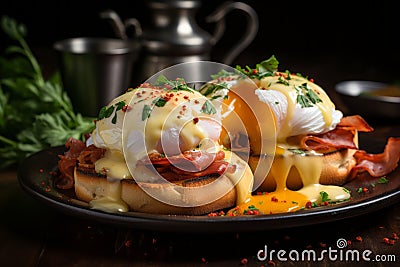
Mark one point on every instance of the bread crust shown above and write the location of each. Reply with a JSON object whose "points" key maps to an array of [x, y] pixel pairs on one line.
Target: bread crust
{"points": [[90, 186], [336, 167]]}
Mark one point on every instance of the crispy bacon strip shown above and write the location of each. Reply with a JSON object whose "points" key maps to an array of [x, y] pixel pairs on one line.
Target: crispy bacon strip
{"points": [[66, 178], [191, 161], [355, 122], [190, 164], [74, 147], [336, 138], [378, 164], [76, 153], [67, 163], [89, 156], [340, 137]]}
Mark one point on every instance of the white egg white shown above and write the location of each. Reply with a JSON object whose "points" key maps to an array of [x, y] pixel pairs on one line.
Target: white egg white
{"points": [[291, 117]]}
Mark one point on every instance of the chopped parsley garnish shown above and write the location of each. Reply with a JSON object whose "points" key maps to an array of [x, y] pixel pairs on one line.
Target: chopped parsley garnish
{"points": [[208, 108], [222, 74], [283, 81], [301, 75], [177, 85], [211, 88], [383, 180], [324, 196], [106, 112], [146, 112], [160, 102], [252, 210], [263, 69], [288, 75], [306, 97], [297, 151]]}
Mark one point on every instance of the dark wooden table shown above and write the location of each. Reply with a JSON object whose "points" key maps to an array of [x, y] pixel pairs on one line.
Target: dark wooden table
{"points": [[33, 234]]}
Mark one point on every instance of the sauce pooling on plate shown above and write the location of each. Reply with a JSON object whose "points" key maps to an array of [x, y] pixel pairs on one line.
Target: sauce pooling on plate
{"points": [[283, 199]]}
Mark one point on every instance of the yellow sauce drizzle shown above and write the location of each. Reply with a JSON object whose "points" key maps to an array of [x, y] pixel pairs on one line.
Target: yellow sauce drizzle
{"points": [[111, 200], [242, 178], [290, 191], [114, 165], [289, 91]]}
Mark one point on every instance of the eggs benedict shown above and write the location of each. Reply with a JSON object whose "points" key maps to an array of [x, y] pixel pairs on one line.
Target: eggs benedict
{"points": [[254, 141], [155, 149], [316, 148]]}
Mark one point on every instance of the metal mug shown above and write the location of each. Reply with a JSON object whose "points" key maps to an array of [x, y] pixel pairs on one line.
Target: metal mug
{"points": [[95, 70]]}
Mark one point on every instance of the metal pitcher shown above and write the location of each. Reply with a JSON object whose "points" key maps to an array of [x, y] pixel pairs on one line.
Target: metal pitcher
{"points": [[173, 35]]}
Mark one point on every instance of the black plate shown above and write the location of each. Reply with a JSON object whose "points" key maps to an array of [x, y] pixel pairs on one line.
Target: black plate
{"points": [[35, 177]]}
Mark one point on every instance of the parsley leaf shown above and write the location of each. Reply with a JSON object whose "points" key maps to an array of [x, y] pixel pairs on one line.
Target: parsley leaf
{"points": [[222, 74], [263, 69], [283, 81], [146, 112], [106, 112], [383, 180], [177, 85], [160, 102], [306, 97], [208, 108], [209, 89], [35, 112], [324, 196], [297, 151]]}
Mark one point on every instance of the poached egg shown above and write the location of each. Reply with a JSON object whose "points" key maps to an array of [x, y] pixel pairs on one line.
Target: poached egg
{"points": [[298, 107], [163, 120]]}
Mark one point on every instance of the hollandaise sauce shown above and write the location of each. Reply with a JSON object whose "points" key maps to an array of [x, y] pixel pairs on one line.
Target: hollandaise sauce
{"points": [[113, 164], [290, 170], [302, 97]]}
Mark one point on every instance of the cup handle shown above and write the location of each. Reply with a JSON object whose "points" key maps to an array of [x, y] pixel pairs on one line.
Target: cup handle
{"points": [[218, 17]]}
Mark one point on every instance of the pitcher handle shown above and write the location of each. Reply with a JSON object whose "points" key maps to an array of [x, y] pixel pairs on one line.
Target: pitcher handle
{"points": [[132, 22], [218, 17], [117, 23], [120, 26]]}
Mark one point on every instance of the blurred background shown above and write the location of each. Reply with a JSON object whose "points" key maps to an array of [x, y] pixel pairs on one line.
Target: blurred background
{"points": [[328, 41]]}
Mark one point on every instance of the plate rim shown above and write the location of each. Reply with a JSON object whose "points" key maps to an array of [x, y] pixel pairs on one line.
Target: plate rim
{"points": [[203, 223]]}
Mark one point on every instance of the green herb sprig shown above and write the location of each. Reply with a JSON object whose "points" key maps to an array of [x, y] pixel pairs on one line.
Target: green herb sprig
{"points": [[173, 85], [35, 112], [106, 112], [324, 196], [263, 69], [210, 90], [306, 97]]}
